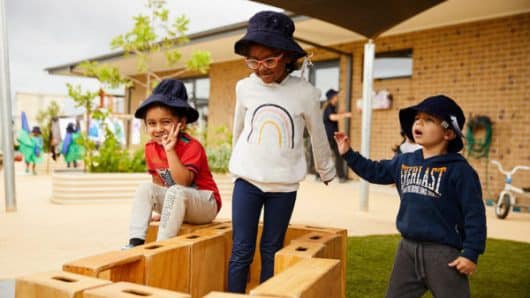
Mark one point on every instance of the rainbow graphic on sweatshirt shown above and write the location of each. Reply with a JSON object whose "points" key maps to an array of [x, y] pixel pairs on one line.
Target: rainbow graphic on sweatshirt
{"points": [[275, 117]]}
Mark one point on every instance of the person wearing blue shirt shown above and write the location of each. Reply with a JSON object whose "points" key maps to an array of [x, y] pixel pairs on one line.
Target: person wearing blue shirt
{"points": [[441, 214]]}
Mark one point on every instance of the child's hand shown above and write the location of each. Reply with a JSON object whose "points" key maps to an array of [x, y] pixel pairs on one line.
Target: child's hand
{"points": [[343, 142], [464, 266], [170, 140]]}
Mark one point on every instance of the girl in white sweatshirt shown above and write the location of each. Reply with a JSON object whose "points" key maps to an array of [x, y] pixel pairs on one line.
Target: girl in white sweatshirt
{"points": [[272, 110]]}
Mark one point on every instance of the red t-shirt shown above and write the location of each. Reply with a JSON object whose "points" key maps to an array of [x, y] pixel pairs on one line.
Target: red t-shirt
{"points": [[192, 156]]}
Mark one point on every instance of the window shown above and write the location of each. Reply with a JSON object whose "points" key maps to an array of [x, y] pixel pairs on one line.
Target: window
{"points": [[324, 75], [198, 94], [396, 64]]}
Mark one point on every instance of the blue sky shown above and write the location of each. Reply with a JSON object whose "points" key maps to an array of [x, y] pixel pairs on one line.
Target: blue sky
{"points": [[54, 32]]}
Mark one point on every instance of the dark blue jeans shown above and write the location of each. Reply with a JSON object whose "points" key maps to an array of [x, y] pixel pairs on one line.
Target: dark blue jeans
{"points": [[247, 202]]}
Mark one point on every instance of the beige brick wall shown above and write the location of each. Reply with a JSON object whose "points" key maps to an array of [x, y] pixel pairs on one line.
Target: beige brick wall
{"points": [[484, 66]]}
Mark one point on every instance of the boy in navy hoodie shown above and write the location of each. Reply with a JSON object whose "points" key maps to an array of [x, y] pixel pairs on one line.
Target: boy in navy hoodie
{"points": [[441, 214]]}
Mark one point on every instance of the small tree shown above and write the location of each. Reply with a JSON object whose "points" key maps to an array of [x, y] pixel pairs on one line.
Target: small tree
{"points": [[149, 35]]}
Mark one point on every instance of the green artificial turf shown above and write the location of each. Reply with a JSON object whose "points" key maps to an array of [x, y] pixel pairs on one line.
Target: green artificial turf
{"points": [[503, 270]]}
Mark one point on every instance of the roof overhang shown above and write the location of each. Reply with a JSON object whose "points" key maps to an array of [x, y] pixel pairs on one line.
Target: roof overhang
{"points": [[220, 41]]}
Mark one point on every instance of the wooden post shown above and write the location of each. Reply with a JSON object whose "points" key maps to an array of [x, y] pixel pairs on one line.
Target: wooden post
{"points": [[55, 284], [130, 290], [308, 278]]}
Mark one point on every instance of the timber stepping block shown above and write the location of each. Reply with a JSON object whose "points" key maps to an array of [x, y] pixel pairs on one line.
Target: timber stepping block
{"points": [[332, 249], [185, 228], [163, 263], [294, 253], [204, 267], [297, 230], [308, 278], [55, 284], [130, 290], [225, 230], [127, 265]]}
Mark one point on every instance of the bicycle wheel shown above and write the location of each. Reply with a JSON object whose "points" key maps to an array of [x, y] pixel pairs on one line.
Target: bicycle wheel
{"points": [[503, 206]]}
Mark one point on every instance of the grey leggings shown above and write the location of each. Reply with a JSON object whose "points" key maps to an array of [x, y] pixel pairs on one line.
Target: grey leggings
{"points": [[176, 205], [421, 266]]}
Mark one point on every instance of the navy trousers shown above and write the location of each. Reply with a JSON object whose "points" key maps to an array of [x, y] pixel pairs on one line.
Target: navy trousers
{"points": [[247, 202]]}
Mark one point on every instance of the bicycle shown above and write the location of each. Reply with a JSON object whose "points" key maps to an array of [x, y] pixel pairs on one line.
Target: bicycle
{"points": [[507, 198]]}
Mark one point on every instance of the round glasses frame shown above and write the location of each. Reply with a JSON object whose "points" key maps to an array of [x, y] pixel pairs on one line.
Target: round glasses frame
{"points": [[270, 62]]}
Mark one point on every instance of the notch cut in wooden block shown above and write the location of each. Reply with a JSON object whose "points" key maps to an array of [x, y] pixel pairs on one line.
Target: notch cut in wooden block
{"points": [[130, 290], [115, 266], [308, 278], [55, 284], [294, 253]]}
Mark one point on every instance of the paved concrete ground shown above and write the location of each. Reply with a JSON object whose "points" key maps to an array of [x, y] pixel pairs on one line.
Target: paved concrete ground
{"points": [[41, 236]]}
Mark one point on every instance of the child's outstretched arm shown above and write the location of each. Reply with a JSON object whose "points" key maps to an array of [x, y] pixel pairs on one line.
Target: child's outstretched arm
{"points": [[379, 172], [179, 173]]}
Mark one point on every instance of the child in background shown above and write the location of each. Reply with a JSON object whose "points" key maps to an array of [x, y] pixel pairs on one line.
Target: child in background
{"points": [[268, 161], [31, 145], [441, 214], [72, 150], [182, 187]]}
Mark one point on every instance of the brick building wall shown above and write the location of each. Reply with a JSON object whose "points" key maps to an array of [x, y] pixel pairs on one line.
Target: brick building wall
{"points": [[484, 66]]}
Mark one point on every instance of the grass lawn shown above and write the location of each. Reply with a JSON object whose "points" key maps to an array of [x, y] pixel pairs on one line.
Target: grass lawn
{"points": [[503, 271]]}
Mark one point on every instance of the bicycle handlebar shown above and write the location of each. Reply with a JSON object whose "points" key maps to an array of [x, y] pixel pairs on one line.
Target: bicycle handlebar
{"points": [[510, 173]]}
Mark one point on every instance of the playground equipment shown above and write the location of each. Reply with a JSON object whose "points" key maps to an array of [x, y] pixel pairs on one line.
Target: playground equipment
{"points": [[512, 197]]}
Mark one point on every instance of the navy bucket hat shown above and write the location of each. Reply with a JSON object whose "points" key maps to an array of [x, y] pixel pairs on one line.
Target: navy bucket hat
{"points": [[171, 93], [330, 93], [271, 29], [442, 107]]}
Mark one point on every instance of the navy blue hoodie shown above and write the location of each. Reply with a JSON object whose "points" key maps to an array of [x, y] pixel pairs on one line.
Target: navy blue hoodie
{"points": [[441, 198]]}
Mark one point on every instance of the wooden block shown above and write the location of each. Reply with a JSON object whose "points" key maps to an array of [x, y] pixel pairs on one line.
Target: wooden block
{"points": [[55, 284], [308, 278], [294, 253], [116, 266], [225, 230], [130, 290], [165, 264], [297, 230], [206, 263], [186, 228], [333, 249]]}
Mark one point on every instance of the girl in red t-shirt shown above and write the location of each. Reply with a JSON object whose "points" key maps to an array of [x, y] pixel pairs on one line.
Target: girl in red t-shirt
{"points": [[182, 188]]}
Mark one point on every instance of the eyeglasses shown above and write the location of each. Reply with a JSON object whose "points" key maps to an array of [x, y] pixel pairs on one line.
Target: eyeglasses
{"points": [[270, 62]]}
